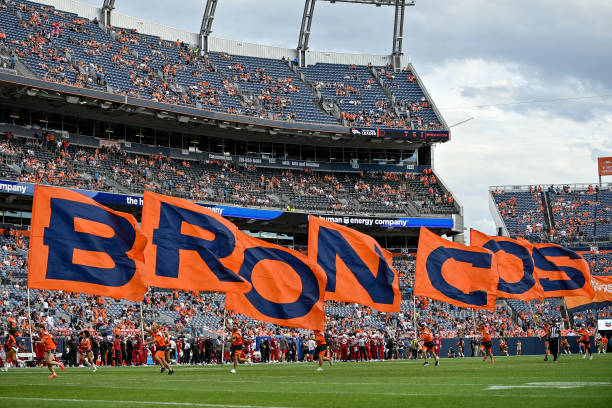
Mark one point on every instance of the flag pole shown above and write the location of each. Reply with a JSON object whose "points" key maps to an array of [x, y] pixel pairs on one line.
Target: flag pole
{"points": [[414, 314], [30, 322], [142, 336], [223, 337]]}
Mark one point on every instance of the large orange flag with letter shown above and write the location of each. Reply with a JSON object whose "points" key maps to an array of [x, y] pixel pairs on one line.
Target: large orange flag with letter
{"points": [[288, 287], [358, 269], [602, 286], [78, 245], [560, 271], [514, 265], [454, 273], [190, 247]]}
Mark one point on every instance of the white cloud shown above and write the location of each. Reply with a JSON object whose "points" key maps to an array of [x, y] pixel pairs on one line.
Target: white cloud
{"points": [[506, 146]]}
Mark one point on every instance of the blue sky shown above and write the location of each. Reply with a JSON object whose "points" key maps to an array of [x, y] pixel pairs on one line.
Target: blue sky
{"points": [[534, 75]]}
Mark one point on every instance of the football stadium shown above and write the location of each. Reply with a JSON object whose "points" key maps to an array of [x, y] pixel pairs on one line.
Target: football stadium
{"points": [[194, 221]]}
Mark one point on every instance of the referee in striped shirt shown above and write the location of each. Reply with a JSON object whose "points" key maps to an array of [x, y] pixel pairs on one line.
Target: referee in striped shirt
{"points": [[554, 339]]}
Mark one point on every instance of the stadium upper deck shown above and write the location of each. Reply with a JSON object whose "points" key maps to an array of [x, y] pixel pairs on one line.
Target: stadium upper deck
{"points": [[242, 124], [66, 48], [574, 215]]}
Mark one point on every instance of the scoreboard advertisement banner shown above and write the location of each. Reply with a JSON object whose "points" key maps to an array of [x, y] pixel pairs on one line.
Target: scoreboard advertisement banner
{"points": [[404, 134], [604, 165]]}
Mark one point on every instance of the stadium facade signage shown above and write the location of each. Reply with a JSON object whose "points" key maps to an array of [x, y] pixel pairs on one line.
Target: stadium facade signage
{"points": [[112, 199], [412, 222], [412, 135], [303, 164], [604, 165], [604, 324]]}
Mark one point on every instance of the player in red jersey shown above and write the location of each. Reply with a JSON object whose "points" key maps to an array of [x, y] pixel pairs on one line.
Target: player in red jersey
{"points": [[344, 347], [380, 341], [585, 341], [159, 339], [428, 344], [437, 344], [238, 349], [10, 350], [50, 347], [85, 350], [485, 341], [321, 352]]}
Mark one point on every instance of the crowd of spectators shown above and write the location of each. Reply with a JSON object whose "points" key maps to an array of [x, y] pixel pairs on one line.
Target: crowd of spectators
{"points": [[72, 50], [580, 215], [50, 161], [578, 212], [599, 262]]}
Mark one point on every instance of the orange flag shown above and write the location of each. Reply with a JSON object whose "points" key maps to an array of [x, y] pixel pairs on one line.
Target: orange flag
{"points": [[514, 265], [602, 286], [193, 248], [560, 271], [454, 273], [288, 287], [78, 245], [190, 247], [358, 269]]}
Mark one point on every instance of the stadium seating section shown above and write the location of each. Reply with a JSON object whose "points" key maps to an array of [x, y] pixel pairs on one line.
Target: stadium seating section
{"points": [[62, 47], [581, 215], [40, 161]]}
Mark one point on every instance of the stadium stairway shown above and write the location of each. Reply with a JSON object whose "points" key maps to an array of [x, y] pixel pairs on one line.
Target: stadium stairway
{"points": [[548, 215]]}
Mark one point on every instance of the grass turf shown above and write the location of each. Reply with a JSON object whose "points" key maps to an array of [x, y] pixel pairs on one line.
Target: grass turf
{"points": [[511, 381]]}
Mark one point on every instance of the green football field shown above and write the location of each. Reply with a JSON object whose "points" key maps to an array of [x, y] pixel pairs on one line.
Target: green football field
{"points": [[511, 382]]}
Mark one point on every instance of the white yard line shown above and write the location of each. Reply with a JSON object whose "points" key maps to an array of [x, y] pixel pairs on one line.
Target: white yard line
{"points": [[180, 404]]}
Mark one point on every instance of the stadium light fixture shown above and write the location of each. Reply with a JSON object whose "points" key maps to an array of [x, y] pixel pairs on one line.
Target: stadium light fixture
{"points": [[107, 7], [207, 20], [398, 27]]}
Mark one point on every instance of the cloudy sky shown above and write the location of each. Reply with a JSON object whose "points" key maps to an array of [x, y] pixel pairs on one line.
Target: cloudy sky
{"points": [[535, 75]]}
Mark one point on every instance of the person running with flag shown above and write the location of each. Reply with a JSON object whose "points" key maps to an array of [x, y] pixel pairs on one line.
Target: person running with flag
{"points": [[160, 348], [321, 349], [85, 350], [428, 344], [485, 341], [238, 349], [585, 341], [10, 350], [49, 344], [546, 338]]}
